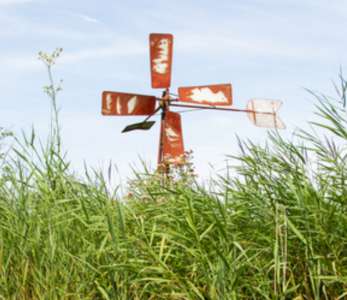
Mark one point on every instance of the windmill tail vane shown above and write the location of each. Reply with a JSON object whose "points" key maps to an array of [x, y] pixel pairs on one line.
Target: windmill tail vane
{"points": [[261, 112]]}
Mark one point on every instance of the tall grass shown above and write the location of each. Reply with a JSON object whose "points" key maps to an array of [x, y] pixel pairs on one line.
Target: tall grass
{"points": [[276, 230]]}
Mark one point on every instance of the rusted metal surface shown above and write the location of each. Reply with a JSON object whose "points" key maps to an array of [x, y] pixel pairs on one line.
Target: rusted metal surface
{"points": [[263, 113], [216, 94], [161, 59], [124, 104], [173, 148]]}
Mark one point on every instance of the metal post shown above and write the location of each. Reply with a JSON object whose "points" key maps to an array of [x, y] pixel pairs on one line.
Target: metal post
{"points": [[220, 108], [164, 104], [161, 137]]}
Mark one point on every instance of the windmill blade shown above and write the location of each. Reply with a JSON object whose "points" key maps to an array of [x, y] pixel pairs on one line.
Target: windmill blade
{"points": [[173, 148], [145, 125], [215, 94], [263, 113], [125, 104], [161, 59]]}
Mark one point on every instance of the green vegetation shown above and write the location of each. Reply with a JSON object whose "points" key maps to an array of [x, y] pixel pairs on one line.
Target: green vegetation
{"points": [[275, 230]]}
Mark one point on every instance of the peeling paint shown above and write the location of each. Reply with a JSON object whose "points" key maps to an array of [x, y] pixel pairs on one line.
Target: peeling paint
{"points": [[171, 135], [213, 94], [119, 106], [132, 104], [108, 103], [161, 62], [206, 94]]}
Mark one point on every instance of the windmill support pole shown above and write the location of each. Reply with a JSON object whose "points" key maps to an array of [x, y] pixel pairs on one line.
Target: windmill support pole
{"points": [[161, 138], [164, 104]]}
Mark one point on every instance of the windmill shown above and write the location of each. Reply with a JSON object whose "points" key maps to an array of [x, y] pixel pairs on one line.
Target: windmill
{"points": [[262, 113]]}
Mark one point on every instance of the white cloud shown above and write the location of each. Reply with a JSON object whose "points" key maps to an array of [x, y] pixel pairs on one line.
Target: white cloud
{"points": [[87, 18], [30, 62], [18, 26], [21, 62], [121, 48]]}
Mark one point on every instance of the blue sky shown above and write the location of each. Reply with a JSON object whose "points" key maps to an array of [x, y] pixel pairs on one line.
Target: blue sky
{"points": [[265, 48]]}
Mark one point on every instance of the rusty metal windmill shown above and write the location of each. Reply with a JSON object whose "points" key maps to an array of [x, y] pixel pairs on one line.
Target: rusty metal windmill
{"points": [[262, 113]]}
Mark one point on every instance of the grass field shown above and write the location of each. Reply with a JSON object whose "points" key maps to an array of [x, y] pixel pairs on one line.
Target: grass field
{"points": [[276, 230]]}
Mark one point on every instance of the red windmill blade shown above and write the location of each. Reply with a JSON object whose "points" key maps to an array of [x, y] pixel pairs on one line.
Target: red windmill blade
{"points": [[262, 113], [161, 59], [125, 104], [172, 149]]}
